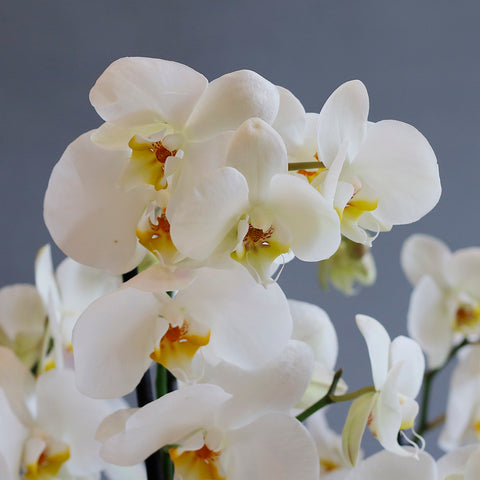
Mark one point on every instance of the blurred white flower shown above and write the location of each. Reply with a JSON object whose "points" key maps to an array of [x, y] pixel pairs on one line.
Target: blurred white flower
{"points": [[445, 303]]}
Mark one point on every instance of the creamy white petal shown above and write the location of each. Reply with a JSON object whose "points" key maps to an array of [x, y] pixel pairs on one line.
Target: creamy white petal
{"points": [[397, 162], [312, 325], [134, 84], [276, 386], [250, 324], [407, 351], [396, 467], [230, 100], [17, 383], [283, 449], [378, 344], [159, 278], [424, 255], [209, 212], [165, 421], [88, 215], [463, 271], [112, 341], [258, 152], [12, 437], [290, 121], [21, 311], [312, 221], [343, 118], [455, 462], [71, 417], [429, 322]]}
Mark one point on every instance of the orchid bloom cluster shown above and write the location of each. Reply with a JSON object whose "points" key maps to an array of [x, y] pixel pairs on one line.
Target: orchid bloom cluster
{"points": [[199, 193]]}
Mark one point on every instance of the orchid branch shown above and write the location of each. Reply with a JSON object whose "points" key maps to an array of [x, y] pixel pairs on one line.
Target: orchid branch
{"points": [[330, 397]]}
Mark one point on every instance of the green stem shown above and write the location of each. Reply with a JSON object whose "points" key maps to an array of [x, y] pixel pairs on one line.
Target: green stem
{"points": [[330, 398], [304, 165], [428, 377]]}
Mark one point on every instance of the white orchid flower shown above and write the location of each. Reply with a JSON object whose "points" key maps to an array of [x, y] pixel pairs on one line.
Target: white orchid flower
{"points": [[377, 174], [462, 421], [460, 464], [386, 464], [252, 210], [48, 427], [445, 303], [165, 126], [397, 370], [274, 445], [224, 314]]}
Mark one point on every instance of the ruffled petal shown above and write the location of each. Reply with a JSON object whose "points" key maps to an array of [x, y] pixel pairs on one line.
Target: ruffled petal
{"points": [[208, 213], [343, 118], [293, 201], [282, 449], [378, 344], [88, 215], [424, 255], [258, 152], [112, 342], [397, 163], [133, 84]]}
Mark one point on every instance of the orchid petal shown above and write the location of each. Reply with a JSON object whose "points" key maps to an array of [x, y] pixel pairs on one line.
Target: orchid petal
{"points": [[398, 164], [355, 425], [397, 467], [429, 322], [230, 100], [82, 206], [407, 351], [378, 344], [258, 152], [290, 121], [112, 341], [250, 324], [209, 212], [312, 325], [463, 270], [424, 255], [282, 449], [165, 421], [134, 84], [455, 462], [310, 218], [343, 118], [159, 278]]}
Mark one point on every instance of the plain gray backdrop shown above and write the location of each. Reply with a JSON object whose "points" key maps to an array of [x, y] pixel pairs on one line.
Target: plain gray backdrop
{"points": [[418, 59]]}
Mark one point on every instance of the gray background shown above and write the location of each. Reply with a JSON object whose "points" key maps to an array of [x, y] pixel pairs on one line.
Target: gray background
{"points": [[418, 59]]}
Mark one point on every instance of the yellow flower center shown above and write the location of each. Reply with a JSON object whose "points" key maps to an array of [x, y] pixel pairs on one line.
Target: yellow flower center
{"points": [[476, 427], [327, 465], [155, 236], [148, 161], [356, 208], [467, 317], [47, 465], [178, 346], [201, 464]]}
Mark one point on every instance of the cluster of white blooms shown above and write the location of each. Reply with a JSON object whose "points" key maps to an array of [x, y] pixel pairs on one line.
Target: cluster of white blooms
{"points": [[199, 193]]}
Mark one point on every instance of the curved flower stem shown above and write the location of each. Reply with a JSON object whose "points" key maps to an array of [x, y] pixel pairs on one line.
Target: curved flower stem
{"points": [[428, 377], [330, 398], [304, 165]]}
